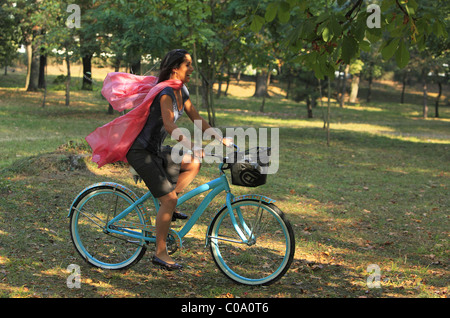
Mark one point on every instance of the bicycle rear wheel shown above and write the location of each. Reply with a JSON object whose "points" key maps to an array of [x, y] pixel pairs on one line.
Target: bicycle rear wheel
{"points": [[269, 248], [93, 241]]}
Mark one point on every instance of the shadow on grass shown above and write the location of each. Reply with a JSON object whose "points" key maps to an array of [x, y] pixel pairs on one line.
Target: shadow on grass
{"points": [[365, 200]]}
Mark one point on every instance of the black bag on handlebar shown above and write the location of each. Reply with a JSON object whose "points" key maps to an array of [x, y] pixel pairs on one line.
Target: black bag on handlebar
{"points": [[249, 168]]}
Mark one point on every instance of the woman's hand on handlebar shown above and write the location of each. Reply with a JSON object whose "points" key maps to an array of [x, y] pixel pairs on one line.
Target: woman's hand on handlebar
{"points": [[198, 152], [228, 141]]}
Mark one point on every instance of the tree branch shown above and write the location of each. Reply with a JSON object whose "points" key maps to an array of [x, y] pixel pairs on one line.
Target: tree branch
{"points": [[401, 8], [356, 5]]}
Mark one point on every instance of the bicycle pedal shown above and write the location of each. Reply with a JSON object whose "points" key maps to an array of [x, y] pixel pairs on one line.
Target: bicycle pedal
{"points": [[136, 177]]}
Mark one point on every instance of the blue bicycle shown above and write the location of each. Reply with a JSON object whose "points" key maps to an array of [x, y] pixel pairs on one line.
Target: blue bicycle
{"points": [[250, 239]]}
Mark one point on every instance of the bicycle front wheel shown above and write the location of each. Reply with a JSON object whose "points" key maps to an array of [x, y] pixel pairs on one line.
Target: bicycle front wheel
{"points": [[91, 238], [266, 252]]}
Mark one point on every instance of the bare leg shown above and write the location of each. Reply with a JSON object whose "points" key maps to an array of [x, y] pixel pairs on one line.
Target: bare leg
{"points": [[190, 166], [189, 169], [163, 219]]}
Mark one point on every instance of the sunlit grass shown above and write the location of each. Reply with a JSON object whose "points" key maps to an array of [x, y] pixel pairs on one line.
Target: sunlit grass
{"points": [[377, 195]]}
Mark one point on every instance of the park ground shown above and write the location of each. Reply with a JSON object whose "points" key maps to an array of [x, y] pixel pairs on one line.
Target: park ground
{"points": [[375, 197]]}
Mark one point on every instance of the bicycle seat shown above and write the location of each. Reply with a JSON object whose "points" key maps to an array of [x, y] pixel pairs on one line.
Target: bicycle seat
{"points": [[136, 177]]}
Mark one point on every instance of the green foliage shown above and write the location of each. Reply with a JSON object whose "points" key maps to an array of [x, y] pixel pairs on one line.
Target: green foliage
{"points": [[321, 36], [9, 36], [326, 33], [356, 67]]}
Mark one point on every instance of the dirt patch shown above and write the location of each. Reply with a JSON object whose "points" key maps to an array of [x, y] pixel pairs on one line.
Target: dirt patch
{"points": [[54, 162]]}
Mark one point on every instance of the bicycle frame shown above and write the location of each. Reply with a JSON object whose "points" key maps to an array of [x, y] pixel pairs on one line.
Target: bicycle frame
{"points": [[216, 186]]}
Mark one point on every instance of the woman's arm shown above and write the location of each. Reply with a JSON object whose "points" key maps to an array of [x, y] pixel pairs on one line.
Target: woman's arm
{"points": [[193, 114], [169, 125]]}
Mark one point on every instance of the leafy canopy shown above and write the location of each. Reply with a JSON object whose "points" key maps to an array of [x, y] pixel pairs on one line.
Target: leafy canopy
{"points": [[323, 34]]}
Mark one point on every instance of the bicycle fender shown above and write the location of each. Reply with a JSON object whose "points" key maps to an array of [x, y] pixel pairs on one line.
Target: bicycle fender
{"points": [[232, 199], [256, 197], [110, 184]]}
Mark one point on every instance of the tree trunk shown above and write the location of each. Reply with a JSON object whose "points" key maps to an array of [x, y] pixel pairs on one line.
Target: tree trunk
{"points": [[321, 103], [228, 80], [436, 105], [33, 68], [221, 76], [261, 84], [211, 90], [42, 65], [197, 94], [355, 88], [135, 67], [45, 84], [425, 95], [370, 80], [309, 106], [328, 112], [68, 80], [117, 62], [87, 72], [369, 91], [219, 88], [261, 108], [344, 86], [288, 89], [205, 99], [29, 59], [208, 72], [45, 97], [194, 56], [340, 83], [402, 99]]}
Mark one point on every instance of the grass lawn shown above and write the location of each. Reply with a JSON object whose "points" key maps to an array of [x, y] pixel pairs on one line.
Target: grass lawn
{"points": [[377, 196]]}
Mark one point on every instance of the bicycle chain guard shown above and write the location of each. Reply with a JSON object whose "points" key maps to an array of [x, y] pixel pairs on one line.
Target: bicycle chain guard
{"points": [[173, 240]]}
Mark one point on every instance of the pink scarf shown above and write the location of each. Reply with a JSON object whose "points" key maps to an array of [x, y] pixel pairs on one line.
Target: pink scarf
{"points": [[111, 142]]}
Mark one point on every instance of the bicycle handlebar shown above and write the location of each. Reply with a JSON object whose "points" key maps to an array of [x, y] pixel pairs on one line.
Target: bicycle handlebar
{"points": [[217, 156], [222, 158]]}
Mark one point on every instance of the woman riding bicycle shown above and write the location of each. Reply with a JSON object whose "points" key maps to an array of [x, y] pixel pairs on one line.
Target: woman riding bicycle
{"points": [[163, 176]]}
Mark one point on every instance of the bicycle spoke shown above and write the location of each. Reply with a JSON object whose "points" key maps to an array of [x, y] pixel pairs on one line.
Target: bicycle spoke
{"points": [[256, 223], [226, 238], [91, 217]]}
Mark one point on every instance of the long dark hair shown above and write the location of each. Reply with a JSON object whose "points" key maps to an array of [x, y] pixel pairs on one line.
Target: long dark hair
{"points": [[172, 60]]}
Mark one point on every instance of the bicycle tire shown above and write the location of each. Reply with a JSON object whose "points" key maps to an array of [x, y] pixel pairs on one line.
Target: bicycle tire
{"points": [[262, 262], [92, 240]]}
